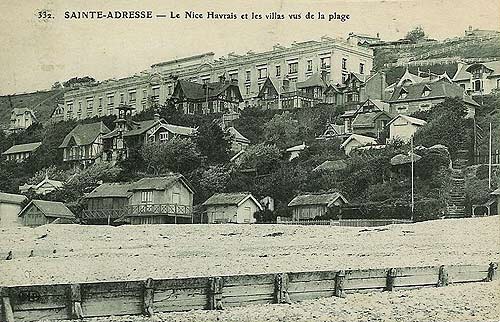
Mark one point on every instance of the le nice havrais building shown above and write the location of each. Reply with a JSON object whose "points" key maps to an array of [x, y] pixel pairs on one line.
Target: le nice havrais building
{"points": [[333, 59]]}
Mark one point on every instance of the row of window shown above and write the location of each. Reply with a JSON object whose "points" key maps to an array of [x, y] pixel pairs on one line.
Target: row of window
{"points": [[147, 197]]}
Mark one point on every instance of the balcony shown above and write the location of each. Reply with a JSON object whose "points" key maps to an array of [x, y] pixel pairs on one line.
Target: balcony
{"points": [[142, 210]]}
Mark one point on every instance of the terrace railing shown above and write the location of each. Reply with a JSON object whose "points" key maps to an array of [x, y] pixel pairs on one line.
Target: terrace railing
{"points": [[140, 210]]}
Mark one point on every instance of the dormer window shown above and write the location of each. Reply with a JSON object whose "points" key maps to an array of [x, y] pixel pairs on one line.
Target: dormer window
{"points": [[403, 94], [426, 91]]}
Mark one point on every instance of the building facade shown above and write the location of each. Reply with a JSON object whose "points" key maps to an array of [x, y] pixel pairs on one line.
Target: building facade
{"points": [[479, 78], [10, 206], [295, 63], [83, 145], [238, 207], [21, 152], [21, 118]]}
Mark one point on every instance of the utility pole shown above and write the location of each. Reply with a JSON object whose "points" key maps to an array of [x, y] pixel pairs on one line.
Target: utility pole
{"points": [[412, 181], [489, 161]]}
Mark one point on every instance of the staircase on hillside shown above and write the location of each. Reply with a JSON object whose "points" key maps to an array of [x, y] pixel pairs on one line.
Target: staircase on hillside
{"points": [[456, 206]]}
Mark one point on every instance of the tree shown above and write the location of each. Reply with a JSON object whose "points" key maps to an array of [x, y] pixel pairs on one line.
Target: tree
{"points": [[79, 81], [415, 34], [213, 143], [177, 155], [282, 130], [263, 158], [446, 125]]}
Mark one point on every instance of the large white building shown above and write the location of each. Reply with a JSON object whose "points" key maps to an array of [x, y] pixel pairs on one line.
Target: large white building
{"points": [[336, 58]]}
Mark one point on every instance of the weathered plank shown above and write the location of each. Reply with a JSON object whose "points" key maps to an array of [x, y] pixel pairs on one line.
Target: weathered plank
{"points": [[111, 287], [147, 297], [237, 301], [416, 280], [465, 277], [96, 307], [7, 307], [183, 283], [340, 280], [37, 315], [179, 294], [246, 290], [366, 273], [412, 271], [295, 297], [215, 294], [311, 276], [363, 283], [237, 280], [181, 304], [312, 286]]}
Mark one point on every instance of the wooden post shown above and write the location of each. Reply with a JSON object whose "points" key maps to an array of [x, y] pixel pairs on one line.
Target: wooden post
{"points": [[391, 276], [215, 294], [75, 302], [443, 278], [147, 304], [281, 282], [492, 272], [7, 307], [339, 284]]}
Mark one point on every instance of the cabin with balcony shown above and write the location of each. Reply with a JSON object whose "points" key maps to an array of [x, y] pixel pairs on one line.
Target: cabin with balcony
{"points": [[160, 200], [217, 97], [83, 145], [106, 203]]}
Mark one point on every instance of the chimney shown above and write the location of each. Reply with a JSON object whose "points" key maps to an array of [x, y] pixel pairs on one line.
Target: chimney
{"points": [[378, 35], [156, 116]]}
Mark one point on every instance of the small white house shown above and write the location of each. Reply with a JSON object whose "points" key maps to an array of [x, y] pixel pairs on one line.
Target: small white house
{"points": [[403, 127], [44, 187], [238, 207], [355, 141], [10, 207], [295, 151]]}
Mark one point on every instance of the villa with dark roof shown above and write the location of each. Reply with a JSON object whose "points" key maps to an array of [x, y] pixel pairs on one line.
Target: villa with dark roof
{"points": [[129, 134], [236, 207], [408, 99], [479, 78], [21, 152], [21, 118], [218, 97], [83, 145]]}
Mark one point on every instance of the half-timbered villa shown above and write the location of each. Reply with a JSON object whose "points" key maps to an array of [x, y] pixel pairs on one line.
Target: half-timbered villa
{"points": [[83, 145]]}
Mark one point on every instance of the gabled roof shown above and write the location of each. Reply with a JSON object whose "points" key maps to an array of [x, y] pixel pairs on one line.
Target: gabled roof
{"points": [[20, 148], [414, 79], [496, 192], [196, 91], [383, 106], [331, 165], [464, 74], [50, 209], [368, 119], [111, 190], [439, 89], [326, 199], [363, 140], [237, 135], [54, 183], [85, 134], [17, 111], [12, 198], [409, 119], [314, 81], [234, 198], [160, 183]]}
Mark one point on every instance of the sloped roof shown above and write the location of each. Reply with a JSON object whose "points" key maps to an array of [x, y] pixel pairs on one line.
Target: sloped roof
{"points": [[232, 198], [85, 134], [142, 127], [414, 79], [111, 190], [196, 91], [20, 148], [12, 198], [383, 106], [326, 199], [439, 89], [299, 147], [21, 111], [368, 119], [331, 165], [496, 192], [54, 183], [314, 81], [160, 183], [177, 129], [409, 119], [50, 209], [463, 74], [237, 135], [363, 140]]}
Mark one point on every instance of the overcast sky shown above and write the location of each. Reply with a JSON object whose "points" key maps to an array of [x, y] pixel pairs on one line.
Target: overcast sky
{"points": [[35, 53]]}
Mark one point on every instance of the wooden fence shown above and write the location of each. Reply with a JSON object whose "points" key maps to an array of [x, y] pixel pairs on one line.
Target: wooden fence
{"points": [[101, 299], [346, 222]]}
